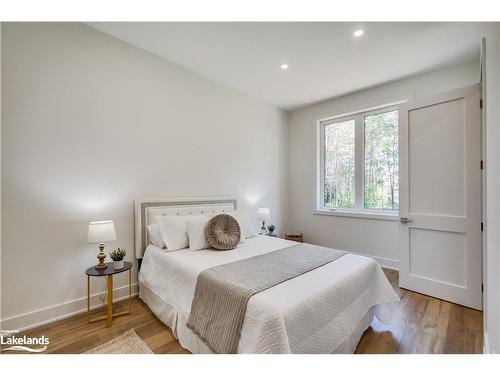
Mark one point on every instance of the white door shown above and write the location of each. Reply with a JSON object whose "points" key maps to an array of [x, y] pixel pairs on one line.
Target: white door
{"points": [[440, 196]]}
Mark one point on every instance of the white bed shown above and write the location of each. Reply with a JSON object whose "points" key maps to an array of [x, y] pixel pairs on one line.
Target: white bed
{"points": [[322, 311]]}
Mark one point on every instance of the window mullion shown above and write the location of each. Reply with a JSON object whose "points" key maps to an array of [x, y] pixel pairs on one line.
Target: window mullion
{"points": [[358, 162]]}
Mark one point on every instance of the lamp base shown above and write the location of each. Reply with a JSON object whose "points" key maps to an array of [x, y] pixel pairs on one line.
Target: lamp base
{"points": [[101, 256], [263, 229]]}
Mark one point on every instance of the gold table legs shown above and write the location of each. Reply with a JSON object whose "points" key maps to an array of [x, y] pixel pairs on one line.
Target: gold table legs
{"points": [[109, 305]]}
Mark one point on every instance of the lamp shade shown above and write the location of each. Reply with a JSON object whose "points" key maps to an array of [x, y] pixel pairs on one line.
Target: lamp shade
{"points": [[264, 214], [102, 231]]}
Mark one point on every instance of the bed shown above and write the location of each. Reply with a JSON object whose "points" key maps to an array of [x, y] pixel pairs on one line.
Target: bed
{"points": [[325, 310]]}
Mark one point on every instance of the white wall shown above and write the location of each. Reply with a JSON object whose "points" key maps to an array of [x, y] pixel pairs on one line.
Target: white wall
{"points": [[376, 238], [492, 261], [91, 123]]}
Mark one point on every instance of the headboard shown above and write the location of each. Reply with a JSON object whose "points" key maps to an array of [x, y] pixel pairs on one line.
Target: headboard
{"points": [[147, 209]]}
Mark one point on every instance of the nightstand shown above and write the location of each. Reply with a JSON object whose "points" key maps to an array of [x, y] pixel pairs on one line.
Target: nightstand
{"points": [[294, 237], [108, 272]]}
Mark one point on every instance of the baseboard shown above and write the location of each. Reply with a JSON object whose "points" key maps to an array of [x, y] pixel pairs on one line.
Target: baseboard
{"points": [[33, 319], [392, 264], [486, 344]]}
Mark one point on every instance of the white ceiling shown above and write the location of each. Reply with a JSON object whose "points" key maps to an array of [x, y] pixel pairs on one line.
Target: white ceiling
{"points": [[324, 59]]}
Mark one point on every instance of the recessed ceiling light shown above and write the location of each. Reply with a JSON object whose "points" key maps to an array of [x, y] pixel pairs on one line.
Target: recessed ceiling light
{"points": [[284, 66], [358, 33]]}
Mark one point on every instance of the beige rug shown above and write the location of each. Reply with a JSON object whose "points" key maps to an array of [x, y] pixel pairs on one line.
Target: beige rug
{"points": [[126, 343]]}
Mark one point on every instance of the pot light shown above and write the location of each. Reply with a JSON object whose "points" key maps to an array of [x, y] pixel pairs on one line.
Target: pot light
{"points": [[358, 33], [284, 66]]}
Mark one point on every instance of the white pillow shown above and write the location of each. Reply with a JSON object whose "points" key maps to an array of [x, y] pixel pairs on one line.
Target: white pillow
{"points": [[173, 231], [196, 232], [154, 235], [246, 227]]}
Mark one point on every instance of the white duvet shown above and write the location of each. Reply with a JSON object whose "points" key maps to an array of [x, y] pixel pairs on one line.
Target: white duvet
{"points": [[312, 313]]}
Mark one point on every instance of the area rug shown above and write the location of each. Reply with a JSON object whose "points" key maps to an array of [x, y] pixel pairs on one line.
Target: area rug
{"points": [[126, 343]]}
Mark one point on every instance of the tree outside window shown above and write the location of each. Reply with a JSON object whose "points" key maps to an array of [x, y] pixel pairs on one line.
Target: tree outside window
{"points": [[365, 142]]}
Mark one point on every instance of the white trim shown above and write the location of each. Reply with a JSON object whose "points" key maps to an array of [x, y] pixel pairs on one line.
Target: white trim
{"points": [[376, 215], [484, 192], [50, 314], [486, 344], [389, 263], [368, 109]]}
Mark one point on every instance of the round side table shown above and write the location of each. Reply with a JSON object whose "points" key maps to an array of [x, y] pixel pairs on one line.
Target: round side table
{"points": [[108, 272]]}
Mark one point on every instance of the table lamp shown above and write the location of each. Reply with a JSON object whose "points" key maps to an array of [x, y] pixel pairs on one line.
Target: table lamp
{"points": [[100, 232], [263, 214]]}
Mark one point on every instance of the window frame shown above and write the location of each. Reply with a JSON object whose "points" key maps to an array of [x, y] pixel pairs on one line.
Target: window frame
{"points": [[359, 160]]}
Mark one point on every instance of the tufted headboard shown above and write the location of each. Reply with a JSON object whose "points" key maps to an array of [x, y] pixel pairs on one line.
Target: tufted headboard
{"points": [[147, 209]]}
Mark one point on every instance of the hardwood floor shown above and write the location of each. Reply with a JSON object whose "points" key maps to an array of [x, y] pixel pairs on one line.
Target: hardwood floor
{"points": [[420, 324], [423, 324]]}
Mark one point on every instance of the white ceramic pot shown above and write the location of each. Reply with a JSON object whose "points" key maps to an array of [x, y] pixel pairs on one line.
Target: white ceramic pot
{"points": [[118, 264]]}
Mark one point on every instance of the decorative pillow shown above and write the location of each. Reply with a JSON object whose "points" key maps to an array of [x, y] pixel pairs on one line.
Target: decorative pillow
{"points": [[223, 232], [196, 232], [154, 236], [173, 231], [247, 229]]}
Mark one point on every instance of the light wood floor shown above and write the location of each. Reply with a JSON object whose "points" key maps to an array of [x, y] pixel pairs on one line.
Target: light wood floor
{"points": [[420, 324], [423, 324]]}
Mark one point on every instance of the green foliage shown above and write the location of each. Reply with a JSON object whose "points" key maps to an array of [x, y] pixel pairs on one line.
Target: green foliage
{"points": [[381, 161], [118, 254], [271, 228], [339, 165], [381, 164]]}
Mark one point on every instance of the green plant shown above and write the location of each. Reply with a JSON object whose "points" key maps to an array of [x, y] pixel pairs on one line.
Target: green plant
{"points": [[118, 254], [271, 228]]}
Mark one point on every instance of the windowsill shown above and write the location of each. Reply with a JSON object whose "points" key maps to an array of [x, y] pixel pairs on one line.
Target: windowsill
{"points": [[359, 214]]}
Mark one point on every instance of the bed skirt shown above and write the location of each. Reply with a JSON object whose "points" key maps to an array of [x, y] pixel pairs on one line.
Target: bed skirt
{"points": [[188, 340]]}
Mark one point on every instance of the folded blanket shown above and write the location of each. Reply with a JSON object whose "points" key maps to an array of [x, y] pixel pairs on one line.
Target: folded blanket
{"points": [[222, 293]]}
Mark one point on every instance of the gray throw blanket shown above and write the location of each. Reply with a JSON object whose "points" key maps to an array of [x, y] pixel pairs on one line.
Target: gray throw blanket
{"points": [[222, 293]]}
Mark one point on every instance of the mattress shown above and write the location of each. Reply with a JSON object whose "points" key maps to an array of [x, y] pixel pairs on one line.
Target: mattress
{"points": [[316, 312]]}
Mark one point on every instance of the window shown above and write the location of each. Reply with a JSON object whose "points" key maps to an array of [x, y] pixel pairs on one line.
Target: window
{"points": [[381, 172], [358, 163], [339, 165]]}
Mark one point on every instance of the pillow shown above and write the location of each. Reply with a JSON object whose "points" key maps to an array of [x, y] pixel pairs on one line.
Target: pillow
{"points": [[223, 232], [196, 232], [154, 236], [247, 229], [173, 231]]}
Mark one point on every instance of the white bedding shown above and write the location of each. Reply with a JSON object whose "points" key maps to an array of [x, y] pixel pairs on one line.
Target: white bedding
{"points": [[312, 313]]}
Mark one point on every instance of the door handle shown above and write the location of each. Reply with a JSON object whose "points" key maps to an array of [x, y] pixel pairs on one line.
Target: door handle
{"points": [[405, 220]]}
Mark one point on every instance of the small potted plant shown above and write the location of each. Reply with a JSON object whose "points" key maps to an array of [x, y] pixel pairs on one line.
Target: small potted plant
{"points": [[270, 229], [118, 255]]}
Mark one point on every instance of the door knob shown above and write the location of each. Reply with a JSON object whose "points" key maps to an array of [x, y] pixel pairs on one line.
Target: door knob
{"points": [[405, 220]]}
